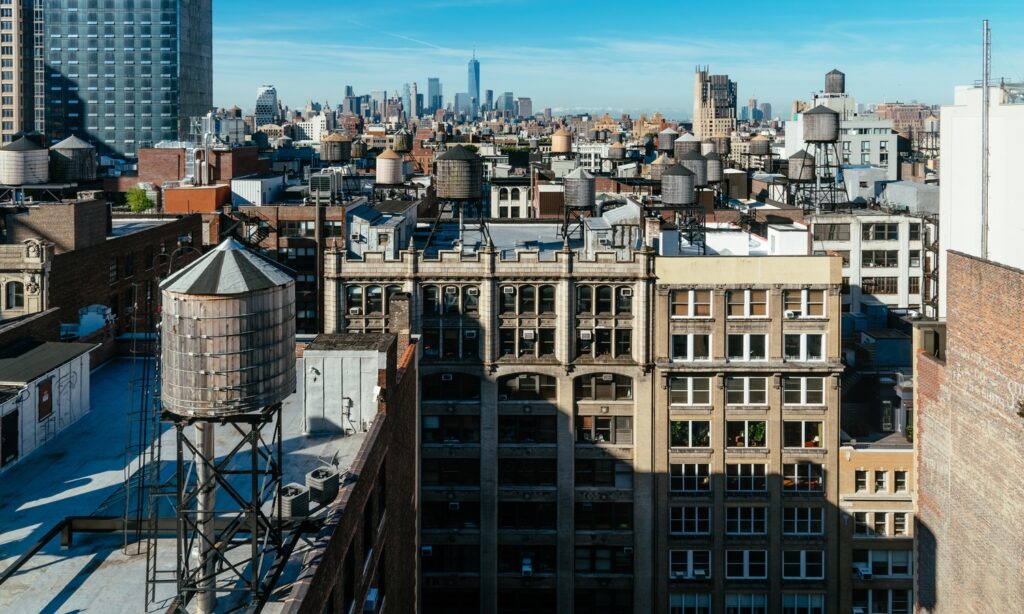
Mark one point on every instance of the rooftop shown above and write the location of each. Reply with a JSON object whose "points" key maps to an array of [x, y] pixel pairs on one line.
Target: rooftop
{"points": [[120, 227], [80, 472], [23, 364]]}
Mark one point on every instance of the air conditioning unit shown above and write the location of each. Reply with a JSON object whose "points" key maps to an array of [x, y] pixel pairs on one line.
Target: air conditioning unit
{"points": [[792, 314], [699, 574], [370, 605], [502, 397], [527, 567], [677, 575], [453, 506], [426, 551], [607, 377], [446, 377], [863, 570], [586, 335], [451, 290], [354, 311], [625, 291], [508, 290], [470, 334], [627, 550], [355, 236], [473, 291], [859, 610], [529, 335], [914, 315]]}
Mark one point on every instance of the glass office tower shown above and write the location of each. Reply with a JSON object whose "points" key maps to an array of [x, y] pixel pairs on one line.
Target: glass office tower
{"points": [[123, 74]]}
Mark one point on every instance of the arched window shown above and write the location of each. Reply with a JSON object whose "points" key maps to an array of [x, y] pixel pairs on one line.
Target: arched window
{"points": [[527, 387], [603, 387], [15, 295], [604, 299], [354, 298], [527, 299], [470, 299], [388, 293], [450, 387], [547, 299], [584, 299], [623, 300], [450, 300], [430, 300], [503, 194], [374, 299], [515, 193]]}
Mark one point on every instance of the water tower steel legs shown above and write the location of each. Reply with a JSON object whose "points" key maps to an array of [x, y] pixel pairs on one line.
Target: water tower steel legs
{"points": [[206, 499]]}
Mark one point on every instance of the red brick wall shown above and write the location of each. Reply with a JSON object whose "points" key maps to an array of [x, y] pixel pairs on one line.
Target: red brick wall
{"points": [[68, 225], [159, 165], [970, 445]]}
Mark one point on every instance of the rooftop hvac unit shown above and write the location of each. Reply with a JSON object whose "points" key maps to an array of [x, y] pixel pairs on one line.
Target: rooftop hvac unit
{"points": [[625, 291], [508, 290], [586, 335], [529, 335], [354, 311], [451, 290], [473, 291], [792, 315], [294, 501], [322, 484]]}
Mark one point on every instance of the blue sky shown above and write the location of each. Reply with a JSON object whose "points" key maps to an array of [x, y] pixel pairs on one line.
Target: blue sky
{"points": [[616, 56]]}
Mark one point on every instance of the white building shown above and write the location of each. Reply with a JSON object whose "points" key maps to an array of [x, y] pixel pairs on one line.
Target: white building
{"points": [[256, 189], [312, 129], [960, 177], [43, 390]]}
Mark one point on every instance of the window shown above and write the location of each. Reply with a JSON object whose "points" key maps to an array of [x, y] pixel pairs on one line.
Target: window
{"points": [[747, 347], [451, 429], [745, 433], [604, 429], [690, 303], [450, 387], [690, 434], [804, 391], [603, 387], [546, 303], [526, 472], [746, 391], [860, 480], [801, 434], [689, 603], [879, 285], [880, 231], [882, 482], [526, 429], [747, 303], [689, 477], [687, 347], [803, 477], [804, 303], [885, 563], [602, 516], [804, 346], [803, 520], [526, 515], [914, 285], [450, 472], [591, 472], [689, 564], [872, 258], [690, 520], [831, 232], [899, 523], [793, 603], [112, 275], [745, 477], [914, 229], [527, 387], [860, 524], [745, 520], [15, 295], [746, 564], [753, 603], [900, 481], [881, 524], [883, 601], [297, 228], [803, 564], [689, 391]]}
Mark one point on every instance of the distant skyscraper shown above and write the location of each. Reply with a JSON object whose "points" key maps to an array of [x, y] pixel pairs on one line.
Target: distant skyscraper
{"points": [[462, 101], [474, 83], [409, 100], [744, 114], [489, 100], [752, 106], [169, 66], [434, 101], [379, 99], [714, 104], [525, 107], [266, 105], [349, 91], [766, 111], [508, 103]]}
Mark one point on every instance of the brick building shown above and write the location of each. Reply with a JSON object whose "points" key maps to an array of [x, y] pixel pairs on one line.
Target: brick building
{"points": [[969, 440]]}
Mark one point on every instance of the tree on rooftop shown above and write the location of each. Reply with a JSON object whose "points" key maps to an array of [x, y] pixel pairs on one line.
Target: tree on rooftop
{"points": [[138, 201]]}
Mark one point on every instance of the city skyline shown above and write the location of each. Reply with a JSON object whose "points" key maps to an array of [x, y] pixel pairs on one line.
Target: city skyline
{"points": [[557, 64]]}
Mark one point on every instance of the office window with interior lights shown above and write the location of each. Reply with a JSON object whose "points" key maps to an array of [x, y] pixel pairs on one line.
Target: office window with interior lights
{"points": [[689, 478], [803, 477]]}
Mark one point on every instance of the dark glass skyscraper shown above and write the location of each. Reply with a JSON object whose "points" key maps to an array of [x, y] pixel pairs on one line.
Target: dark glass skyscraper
{"points": [[434, 101], [474, 86], [124, 74]]}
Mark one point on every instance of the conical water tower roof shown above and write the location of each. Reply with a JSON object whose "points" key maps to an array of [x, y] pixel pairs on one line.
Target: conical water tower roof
{"points": [[230, 268], [73, 142], [579, 173]]}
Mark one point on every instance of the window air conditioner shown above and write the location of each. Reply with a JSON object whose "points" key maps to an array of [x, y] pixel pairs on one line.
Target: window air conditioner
{"points": [[473, 291], [470, 334], [527, 567], [451, 290], [792, 314], [453, 506], [446, 377], [863, 570], [508, 290], [699, 574], [625, 291], [586, 335], [427, 551], [529, 335], [355, 236], [607, 377], [354, 311]]}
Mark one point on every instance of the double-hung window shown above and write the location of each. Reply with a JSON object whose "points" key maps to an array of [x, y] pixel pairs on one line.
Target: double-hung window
{"points": [[747, 346], [688, 347], [804, 346], [803, 564], [746, 564]]}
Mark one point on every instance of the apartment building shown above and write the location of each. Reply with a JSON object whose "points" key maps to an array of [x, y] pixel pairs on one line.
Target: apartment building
{"points": [[876, 501], [557, 452], [886, 255], [17, 94]]}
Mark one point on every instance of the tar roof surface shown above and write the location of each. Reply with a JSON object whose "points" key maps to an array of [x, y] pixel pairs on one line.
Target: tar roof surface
{"points": [[22, 367]]}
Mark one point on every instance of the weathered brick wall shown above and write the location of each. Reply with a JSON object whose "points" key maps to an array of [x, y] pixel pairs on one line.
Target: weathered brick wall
{"points": [[970, 444], [42, 326], [68, 225]]}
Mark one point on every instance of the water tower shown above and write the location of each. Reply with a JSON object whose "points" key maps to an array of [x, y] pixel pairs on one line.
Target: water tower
{"points": [[227, 361], [821, 133]]}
